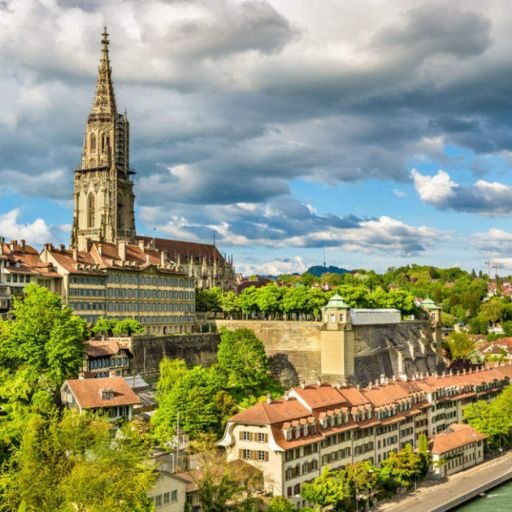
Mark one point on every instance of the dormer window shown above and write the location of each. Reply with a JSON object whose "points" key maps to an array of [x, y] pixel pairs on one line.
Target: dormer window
{"points": [[288, 434], [107, 394]]}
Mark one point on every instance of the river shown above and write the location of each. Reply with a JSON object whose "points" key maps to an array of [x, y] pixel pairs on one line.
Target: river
{"points": [[495, 500]]}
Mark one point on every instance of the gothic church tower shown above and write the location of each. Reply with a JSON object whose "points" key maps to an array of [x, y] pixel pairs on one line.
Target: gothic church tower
{"points": [[103, 188]]}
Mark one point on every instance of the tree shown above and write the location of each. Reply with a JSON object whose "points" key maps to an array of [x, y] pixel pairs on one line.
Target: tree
{"points": [[208, 299], [230, 303], [171, 372], [280, 504], [327, 489], [459, 346], [104, 326], [44, 339], [401, 469], [72, 463], [242, 355], [194, 399], [223, 486], [492, 310], [127, 327]]}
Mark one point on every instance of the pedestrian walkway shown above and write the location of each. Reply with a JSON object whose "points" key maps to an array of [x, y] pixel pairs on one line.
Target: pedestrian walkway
{"points": [[434, 497]]}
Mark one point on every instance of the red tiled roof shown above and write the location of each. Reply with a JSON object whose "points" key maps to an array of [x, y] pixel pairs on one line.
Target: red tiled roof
{"points": [[455, 436], [99, 348], [87, 392], [277, 411], [184, 249]]}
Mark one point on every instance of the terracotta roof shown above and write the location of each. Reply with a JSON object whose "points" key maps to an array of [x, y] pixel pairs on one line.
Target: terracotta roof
{"points": [[321, 396], [455, 436], [184, 249], [24, 259], [99, 348], [277, 411], [87, 392]]}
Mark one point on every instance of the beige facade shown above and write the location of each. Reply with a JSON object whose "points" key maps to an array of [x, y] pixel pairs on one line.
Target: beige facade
{"points": [[125, 281], [293, 439], [457, 448], [168, 493]]}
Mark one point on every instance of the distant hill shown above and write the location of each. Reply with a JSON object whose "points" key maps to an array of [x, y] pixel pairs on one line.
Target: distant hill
{"points": [[318, 270]]}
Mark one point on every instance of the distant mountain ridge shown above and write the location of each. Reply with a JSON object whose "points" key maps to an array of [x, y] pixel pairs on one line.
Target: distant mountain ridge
{"points": [[318, 270]]}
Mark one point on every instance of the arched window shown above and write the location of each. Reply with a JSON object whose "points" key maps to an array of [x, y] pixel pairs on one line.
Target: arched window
{"points": [[90, 210], [92, 142]]}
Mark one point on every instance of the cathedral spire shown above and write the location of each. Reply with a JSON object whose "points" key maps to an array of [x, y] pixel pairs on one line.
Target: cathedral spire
{"points": [[104, 99]]}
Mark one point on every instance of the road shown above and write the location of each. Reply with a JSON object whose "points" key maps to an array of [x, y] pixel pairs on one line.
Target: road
{"points": [[431, 497]]}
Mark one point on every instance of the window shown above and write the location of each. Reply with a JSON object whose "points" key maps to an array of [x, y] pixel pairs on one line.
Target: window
{"points": [[158, 500], [246, 454], [261, 437], [174, 495], [245, 436], [262, 455], [166, 498]]}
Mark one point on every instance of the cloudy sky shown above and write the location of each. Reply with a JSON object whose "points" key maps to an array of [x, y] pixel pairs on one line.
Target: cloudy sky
{"points": [[379, 131]]}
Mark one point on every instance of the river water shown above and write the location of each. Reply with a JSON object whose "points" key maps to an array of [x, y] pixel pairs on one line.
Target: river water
{"points": [[495, 500]]}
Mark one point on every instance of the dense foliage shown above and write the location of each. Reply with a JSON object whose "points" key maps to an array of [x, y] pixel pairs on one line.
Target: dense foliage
{"points": [[40, 347], [493, 419], [117, 327], [73, 463], [202, 399]]}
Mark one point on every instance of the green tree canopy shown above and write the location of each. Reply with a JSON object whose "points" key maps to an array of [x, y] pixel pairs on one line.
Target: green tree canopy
{"points": [[73, 464], [242, 355]]}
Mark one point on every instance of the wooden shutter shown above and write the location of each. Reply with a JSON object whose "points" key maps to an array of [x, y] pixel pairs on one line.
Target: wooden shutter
{"points": [[266, 456]]}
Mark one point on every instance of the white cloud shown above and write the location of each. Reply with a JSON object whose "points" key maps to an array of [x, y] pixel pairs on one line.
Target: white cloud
{"points": [[482, 197], [37, 232], [275, 267]]}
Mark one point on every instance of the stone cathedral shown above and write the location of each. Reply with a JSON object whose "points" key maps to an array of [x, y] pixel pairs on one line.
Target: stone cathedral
{"points": [[104, 198], [103, 188]]}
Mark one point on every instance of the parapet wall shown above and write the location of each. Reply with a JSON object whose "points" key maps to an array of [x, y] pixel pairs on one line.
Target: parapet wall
{"points": [[294, 349], [195, 349]]}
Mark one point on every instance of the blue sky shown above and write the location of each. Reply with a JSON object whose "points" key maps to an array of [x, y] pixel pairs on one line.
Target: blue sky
{"points": [[378, 130]]}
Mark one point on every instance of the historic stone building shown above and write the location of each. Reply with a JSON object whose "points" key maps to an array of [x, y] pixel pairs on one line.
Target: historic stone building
{"points": [[103, 188], [104, 198]]}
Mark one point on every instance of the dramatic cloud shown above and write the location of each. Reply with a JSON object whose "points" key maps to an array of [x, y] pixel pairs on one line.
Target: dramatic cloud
{"points": [[483, 197], [285, 222]]}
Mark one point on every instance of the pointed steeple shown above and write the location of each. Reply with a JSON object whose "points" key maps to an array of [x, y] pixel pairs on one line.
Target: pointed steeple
{"points": [[104, 99]]}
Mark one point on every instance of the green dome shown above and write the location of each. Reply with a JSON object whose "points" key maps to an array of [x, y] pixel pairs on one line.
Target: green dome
{"points": [[337, 302], [428, 303]]}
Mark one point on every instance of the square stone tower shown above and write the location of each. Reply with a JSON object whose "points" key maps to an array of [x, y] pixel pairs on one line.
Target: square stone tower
{"points": [[103, 188]]}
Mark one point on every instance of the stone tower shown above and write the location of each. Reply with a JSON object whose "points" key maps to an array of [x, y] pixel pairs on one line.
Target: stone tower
{"points": [[103, 188], [337, 342]]}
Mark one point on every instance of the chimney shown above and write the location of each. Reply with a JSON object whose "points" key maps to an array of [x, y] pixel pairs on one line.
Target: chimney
{"points": [[163, 258], [2, 241], [269, 398], [62, 247], [75, 254], [121, 248], [382, 378], [141, 245], [12, 245], [302, 384], [22, 245]]}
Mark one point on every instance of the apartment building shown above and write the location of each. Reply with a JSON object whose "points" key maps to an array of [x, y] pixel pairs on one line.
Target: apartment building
{"points": [[125, 281], [293, 439]]}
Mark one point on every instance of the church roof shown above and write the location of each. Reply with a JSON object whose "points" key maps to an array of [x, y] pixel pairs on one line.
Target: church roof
{"points": [[182, 248]]}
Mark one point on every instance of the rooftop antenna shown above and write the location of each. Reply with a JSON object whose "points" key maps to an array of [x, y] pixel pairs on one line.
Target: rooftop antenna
{"points": [[213, 238]]}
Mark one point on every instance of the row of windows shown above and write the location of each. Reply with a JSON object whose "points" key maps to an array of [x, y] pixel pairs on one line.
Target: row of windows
{"points": [[259, 437], [87, 306], [135, 293], [107, 362], [88, 280], [184, 282], [148, 307], [165, 319], [299, 470], [164, 499], [337, 455], [17, 278], [260, 455], [86, 292]]}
